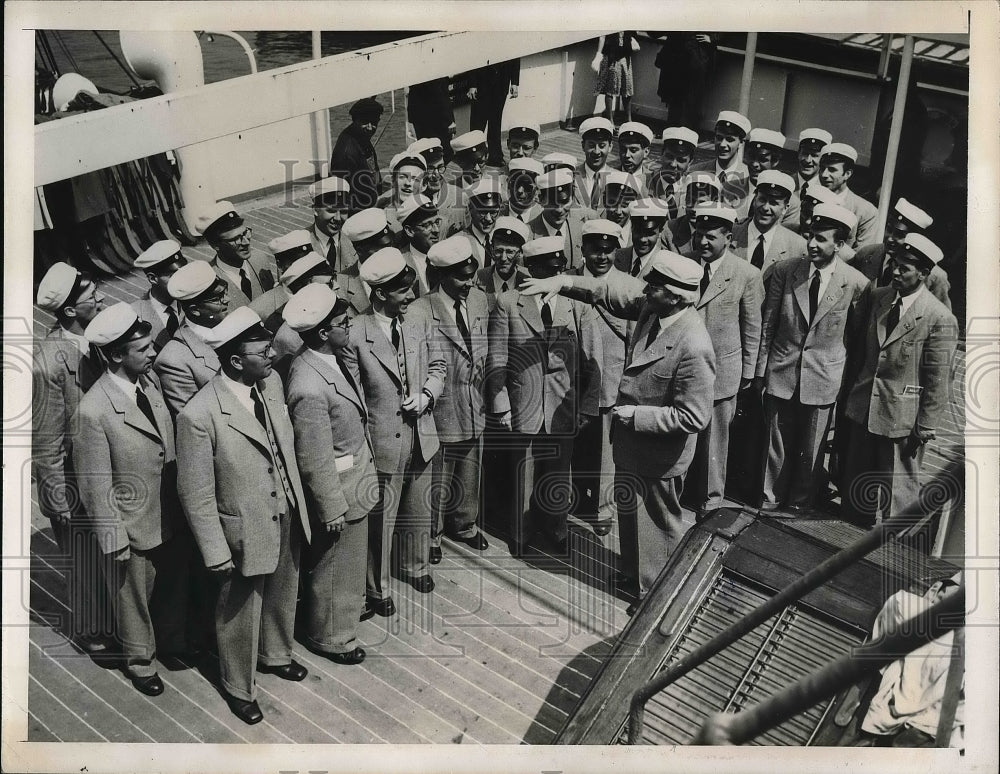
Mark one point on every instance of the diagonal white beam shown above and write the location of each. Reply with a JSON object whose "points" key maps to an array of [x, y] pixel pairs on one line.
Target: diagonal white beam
{"points": [[92, 141]]}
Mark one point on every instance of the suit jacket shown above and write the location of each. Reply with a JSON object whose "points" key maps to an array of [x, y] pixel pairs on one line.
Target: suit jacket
{"points": [[574, 239], [352, 290], [344, 247], [735, 188], [676, 234], [866, 232], [545, 378], [789, 220], [583, 195], [227, 480], [184, 365], [334, 452], [869, 260], [373, 364], [671, 384], [784, 244], [144, 308], [488, 282], [614, 334], [797, 354], [60, 376], [126, 467], [901, 382], [480, 247], [430, 103], [460, 411], [730, 309], [497, 77], [261, 271]]}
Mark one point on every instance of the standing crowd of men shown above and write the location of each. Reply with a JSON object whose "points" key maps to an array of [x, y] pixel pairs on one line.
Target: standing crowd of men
{"points": [[265, 436]]}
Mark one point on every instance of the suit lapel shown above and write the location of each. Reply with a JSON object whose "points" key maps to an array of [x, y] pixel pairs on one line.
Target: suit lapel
{"points": [[333, 378], [835, 289], [199, 348], [439, 308], [381, 347], [800, 288], [530, 313], [239, 418], [128, 409], [664, 342], [907, 320], [720, 278]]}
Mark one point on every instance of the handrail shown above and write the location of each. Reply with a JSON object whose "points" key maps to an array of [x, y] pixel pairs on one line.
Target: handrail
{"points": [[736, 728], [242, 43], [930, 497]]}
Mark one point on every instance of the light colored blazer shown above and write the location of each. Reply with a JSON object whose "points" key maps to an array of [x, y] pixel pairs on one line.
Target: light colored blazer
{"points": [[229, 486], [735, 188], [544, 378], [582, 193], [784, 245], [730, 309], [126, 467], [574, 239], [60, 376], [373, 364], [184, 365], [671, 384], [488, 282], [144, 308], [865, 233], [263, 275], [797, 354], [614, 335], [901, 382], [460, 411], [868, 260], [346, 254], [353, 292], [335, 457]]}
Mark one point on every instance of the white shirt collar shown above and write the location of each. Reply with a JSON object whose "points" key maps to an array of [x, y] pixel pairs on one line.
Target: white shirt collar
{"points": [[754, 233], [552, 229], [240, 390], [385, 323], [323, 239], [329, 359], [200, 331], [908, 300], [79, 340], [129, 388]]}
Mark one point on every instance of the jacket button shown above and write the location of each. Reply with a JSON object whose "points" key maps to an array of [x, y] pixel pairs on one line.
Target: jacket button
{"points": [[399, 392], [397, 435], [161, 454], [274, 494], [399, 413], [274, 518], [270, 470]]}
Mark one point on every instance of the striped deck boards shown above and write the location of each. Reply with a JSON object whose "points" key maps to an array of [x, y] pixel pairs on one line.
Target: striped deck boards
{"points": [[500, 652]]}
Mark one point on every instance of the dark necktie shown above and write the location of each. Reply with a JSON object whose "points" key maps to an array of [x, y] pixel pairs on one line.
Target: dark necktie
{"points": [[706, 278], [172, 321], [347, 374], [546, 316], [331, 253], [395, 333], [258, 409], [802, 191], [886, 277], [654, 331], [143, 403], [813, 295], [595, 190], [463, 327], [636, 266], [671, 205], [892, 319], [245, 283], [758, 253], [503, 287]]}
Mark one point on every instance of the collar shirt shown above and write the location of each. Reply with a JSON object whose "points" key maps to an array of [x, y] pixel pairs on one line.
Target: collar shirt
{"points": [[330, 360], [754, 233], [124, 385], [79, 340], [200, 331], [908, 300], [824, 276], [385, 323], [420, 264], [241, 391]]}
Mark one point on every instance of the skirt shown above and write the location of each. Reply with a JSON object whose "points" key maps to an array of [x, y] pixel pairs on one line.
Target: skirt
{"points": [[615, 78]]}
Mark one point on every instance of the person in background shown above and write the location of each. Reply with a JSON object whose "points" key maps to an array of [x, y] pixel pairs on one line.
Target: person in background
{"points": [[558, 216], [647, 218], [634, 139], [407, 170], [620, 190], [679, 146], [686, 62], [699, 188], [489, 88], [522, 141], [811, 144], [764, 149], [470, 155], [485, 205], [836, 167], [368, 231], [596, 135], [507, 238], [159, 262], [428, 108], [354, 157], [522, 188], [247, 273], [763, 240], [331, 206], [442, 194], [613, 65], [421, 230], [731, 130]]}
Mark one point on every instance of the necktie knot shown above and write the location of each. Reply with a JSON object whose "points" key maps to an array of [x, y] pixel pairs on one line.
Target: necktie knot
{"points": [[395, 332], [654, 331], [814, 293], [706, 278], [892, 320]]}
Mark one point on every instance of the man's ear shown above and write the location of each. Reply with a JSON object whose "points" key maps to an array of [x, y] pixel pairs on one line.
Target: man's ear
{"points": [[409, 231], [848, 173]]}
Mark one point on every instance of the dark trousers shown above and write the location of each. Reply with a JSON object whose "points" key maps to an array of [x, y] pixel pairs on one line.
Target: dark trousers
{"points": [[879, 479], [487, 113], [255, 616], [457, 473], [541, 464], [594, 469]]}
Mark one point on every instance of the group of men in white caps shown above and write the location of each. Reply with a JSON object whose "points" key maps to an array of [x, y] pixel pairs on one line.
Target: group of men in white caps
{"points": [[265, 437]]}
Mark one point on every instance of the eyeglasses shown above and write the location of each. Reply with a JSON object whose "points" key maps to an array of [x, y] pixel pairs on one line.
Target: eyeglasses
{"points": [[243, 236], [344, 323], [265, 353], [429, 225], [507, 253]]}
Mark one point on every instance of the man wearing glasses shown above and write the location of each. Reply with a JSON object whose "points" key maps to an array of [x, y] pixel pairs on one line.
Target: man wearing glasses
{"points": [[64, 367], [246, 274], [421, 225], [240, 488]]}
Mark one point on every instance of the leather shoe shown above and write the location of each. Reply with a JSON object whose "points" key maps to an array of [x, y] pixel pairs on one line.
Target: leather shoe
{"points": [[477, 542], [367, 612], [602, 528], [91, 645], [630, 610], [383, 607], [292, 671], [350, 658], [767, 507], [435, 555], [151, 686], [424, 584], [247, 711]]}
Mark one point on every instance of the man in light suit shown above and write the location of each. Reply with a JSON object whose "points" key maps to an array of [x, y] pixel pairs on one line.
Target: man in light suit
{"points": [[240, 489], [543, 382], [836, 167], [402, 372], [246, 272], [443, 194], [664, 400], [458, 314], [593, 464], [522, 188], [897, 385], [634, 139], [809, 323], [558, 216], [811, 143], [126, 436], [159, 262], [764, 148], [64, 366], [679, 147], [647, 217], [421, 224], [368, 231], [731, 130], [337, 466], [621, 190], [876, 263], [699, 188], [596, 136], [485, 205], [731, 295], [187, 362], [763, 240], [331, 206], [506, 241]]}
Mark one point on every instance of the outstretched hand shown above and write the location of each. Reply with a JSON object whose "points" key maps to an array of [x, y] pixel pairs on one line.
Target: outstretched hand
{"points": [[548, 287]]}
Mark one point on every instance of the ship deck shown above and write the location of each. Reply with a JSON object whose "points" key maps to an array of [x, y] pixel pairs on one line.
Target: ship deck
{"points": [[500, 652]]}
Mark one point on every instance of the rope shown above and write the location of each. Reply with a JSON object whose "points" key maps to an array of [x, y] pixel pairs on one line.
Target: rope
{"points": [[127, 70], [66, 52]]}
